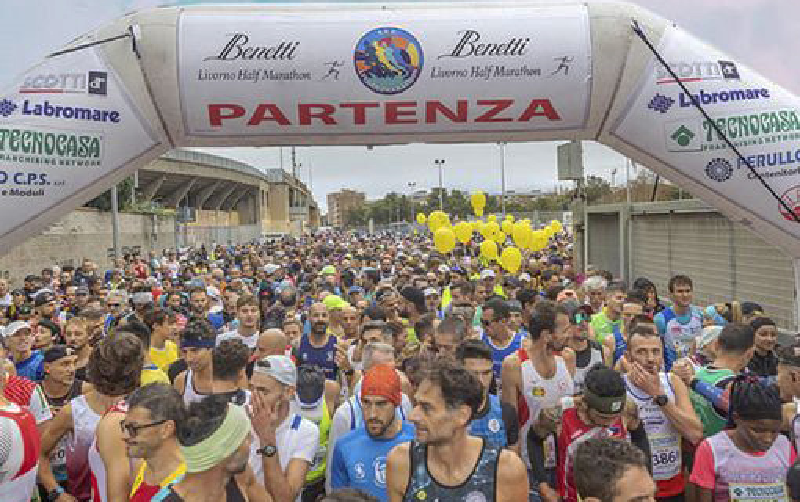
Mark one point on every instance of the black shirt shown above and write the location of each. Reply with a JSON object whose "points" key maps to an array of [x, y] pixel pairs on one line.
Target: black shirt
{"points": [[763, 366]]}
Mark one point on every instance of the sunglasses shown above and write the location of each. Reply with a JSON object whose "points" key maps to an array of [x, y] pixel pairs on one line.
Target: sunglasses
{"points": [[133, 430], [114, 305], [486, 322]]}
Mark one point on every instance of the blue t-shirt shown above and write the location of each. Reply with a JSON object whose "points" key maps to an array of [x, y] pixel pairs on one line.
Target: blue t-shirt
{"points": [[499, 354], [359, 460], [32, 368], [216, 319]]}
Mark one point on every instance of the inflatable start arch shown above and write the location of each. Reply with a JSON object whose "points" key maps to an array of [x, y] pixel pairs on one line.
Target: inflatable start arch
{"points": [[370, 74]]}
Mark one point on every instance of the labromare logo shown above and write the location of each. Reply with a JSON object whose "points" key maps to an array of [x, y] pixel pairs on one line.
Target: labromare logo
{"points": [[388, 113]]}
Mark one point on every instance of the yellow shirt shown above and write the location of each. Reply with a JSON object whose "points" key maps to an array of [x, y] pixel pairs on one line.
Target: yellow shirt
{"points": [[151, 374], [164, 357]]}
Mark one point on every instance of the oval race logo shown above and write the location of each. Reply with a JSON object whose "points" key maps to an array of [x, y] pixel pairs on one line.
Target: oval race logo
{"points": [[388, 60]]}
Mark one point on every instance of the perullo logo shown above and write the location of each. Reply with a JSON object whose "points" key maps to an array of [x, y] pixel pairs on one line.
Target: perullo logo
{"points": [[682, 136]]}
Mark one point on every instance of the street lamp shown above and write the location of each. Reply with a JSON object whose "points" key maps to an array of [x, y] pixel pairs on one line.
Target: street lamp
{"points": [[411, 186], [502, 146], [440, 163]]}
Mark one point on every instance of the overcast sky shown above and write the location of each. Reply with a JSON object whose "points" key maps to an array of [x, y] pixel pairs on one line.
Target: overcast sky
{"points": [[759, 33]]}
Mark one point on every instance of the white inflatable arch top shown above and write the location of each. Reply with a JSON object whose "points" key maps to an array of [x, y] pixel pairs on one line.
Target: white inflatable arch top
{"points": [[372, 74]]}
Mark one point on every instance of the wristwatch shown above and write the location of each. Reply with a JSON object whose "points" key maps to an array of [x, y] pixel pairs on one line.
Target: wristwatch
{"points": [[661, 400], [267, 451], [53, 494]]}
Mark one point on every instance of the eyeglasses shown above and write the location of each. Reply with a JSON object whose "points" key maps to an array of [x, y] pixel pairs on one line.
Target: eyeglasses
{"points": [[133, 430], [113, 305]]}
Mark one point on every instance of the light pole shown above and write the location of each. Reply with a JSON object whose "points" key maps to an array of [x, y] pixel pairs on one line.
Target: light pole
{"points": [[502, 146], [411, 186], [440, 163]]}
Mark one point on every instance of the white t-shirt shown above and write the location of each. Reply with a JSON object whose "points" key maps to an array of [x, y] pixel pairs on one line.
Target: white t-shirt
{"points": [[297, 438], [250, 341]]}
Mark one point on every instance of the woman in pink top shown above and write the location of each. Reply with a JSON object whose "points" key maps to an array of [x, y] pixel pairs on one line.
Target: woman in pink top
{"points": [[750, 461]]}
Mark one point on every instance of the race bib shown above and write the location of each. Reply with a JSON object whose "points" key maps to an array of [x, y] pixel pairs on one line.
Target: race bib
{"points": [[758, 492], [549, 449], [666, 455]]}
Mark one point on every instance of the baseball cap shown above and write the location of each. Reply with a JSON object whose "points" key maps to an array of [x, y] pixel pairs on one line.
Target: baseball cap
{"points": [[281, 368], [751, 308], [56, 352], [355, 289], [44, 298], [142, 298], [310, 387], [443, 268], [14, 327], [270, 268], [430, 292], [525, 277], [81, 291], [485, 274], [328, 270], [334, 302], [708, 335]]}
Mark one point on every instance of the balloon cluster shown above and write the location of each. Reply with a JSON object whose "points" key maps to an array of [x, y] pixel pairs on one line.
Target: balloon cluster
{"points": [[494, 234]]}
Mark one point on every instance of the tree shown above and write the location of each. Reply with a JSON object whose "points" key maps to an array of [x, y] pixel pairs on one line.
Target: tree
{"points": [[124, 192]]}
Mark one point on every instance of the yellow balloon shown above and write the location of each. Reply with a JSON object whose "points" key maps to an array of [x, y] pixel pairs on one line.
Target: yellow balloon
{"points": [[492, 218], [507, 226], [519, 233], [489, 249], [557, 226], [437, 220], [463, 231], [510, 217], [493, 228], [511, 259], [444, 240], [421, 219], [478, 200], [500, 237], [478, 211], [549, 232]]}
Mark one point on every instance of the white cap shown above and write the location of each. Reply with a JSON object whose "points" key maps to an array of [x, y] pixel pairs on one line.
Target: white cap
{"points": [[270, 268], [15, 326], [430, 292], [525, 276], [485, 274], [444, 268]]}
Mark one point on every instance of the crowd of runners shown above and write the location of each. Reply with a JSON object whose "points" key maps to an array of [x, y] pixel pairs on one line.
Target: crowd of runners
{"points": [[340, 367]]}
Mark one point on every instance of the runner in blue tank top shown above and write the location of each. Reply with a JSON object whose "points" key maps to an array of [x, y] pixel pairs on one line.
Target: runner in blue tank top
{"points": [[359, 457], [497, 334], [318, 348], [428, 468], [495, 421]]}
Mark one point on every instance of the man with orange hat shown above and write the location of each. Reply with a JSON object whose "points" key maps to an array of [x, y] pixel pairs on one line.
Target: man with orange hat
{"points": [[359, 457]]}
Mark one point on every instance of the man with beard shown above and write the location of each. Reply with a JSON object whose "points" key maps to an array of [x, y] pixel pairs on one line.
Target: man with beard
{"points": [[215, 442], [196, 381], [248, 318], [154, 412], [445, 462], [200, 306], [588, 353], [60, 386], [288, 442], [359, 458], [81, 300], [318, 348], [497, 334]]}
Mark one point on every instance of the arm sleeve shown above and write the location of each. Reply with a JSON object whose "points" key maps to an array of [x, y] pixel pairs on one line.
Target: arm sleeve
{"points": [[639, 439], [338, 476], [703, 470], [717, 396], [511, 423], [536, 457]]}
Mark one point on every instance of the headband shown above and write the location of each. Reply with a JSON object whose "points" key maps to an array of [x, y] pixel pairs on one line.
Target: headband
{"points": [[219, 445], [608, 405], [199, 342]]}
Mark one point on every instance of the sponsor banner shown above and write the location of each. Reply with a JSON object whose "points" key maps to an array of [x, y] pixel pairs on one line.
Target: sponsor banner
{"points": [[760, 118], [64, 125], [412, 71]]}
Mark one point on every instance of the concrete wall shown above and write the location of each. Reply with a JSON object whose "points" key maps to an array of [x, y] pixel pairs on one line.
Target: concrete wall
{"points": [[86, 233]]}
